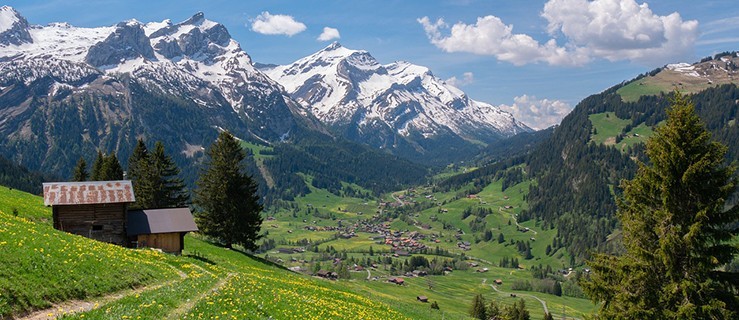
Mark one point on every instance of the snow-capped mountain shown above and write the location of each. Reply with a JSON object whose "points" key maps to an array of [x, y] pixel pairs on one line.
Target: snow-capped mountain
{"points": [[180, 82], [367, 101]]}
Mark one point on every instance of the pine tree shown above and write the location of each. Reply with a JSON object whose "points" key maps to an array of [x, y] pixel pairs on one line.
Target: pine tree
{"points": [[493, 311], [676, 229], [111, 169], [228, 207], [139, 174], [477, 310], [517, 311], [168, 189], [97, 167], [80, 171]]}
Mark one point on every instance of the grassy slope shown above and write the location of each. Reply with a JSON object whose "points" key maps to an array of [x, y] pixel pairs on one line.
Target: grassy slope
{"points": [[40, 266], [608, 126]]}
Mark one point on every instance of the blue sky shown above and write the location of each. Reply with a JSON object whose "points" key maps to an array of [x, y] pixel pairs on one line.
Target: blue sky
{"points": [[536, 58]]}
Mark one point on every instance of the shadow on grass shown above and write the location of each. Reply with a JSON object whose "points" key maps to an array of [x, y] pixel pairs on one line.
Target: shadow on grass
{"points": [[199, 257]]}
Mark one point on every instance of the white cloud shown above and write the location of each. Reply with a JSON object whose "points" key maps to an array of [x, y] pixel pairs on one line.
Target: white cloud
{"points": [[490, 36], [329, 34], [621, 29], [467, 78], [538, 114], [609, 29], [276, 24]]}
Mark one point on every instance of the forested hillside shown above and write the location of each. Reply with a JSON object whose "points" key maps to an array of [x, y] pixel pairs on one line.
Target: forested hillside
{"points": [[577, 179]]}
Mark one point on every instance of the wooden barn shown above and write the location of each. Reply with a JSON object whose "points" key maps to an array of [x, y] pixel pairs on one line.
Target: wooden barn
{"points": [[94, 209], [99, 210], [160, 228]]}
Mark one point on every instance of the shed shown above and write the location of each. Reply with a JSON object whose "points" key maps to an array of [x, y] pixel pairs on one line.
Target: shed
{"points": [[93, 209], [422, 298], [160, 228]]}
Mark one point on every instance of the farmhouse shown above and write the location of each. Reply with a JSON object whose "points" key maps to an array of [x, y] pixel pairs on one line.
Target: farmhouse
{"points": [[99, 210]]}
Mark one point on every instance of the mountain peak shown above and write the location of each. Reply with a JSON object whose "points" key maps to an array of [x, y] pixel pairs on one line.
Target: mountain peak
{"points": [[13, 27], [196, 19], [333, 46]]}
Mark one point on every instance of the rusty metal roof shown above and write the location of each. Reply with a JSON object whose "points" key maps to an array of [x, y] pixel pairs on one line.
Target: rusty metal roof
{"points": [[149, 221], [88, 192]]}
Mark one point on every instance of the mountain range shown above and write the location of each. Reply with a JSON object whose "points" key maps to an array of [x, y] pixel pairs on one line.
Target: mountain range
{"points": [[66, 92], [392, 106]]}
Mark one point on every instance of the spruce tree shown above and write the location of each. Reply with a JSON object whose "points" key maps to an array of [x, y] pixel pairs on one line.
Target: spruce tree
{"points": [[228, 207], [139, 174], [111, 169], [97, 167], [477, 310], [168, 189], [80, 171], [676, 231]]}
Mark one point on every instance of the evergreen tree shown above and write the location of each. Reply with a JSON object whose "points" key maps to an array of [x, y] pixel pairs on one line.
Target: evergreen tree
{"points": [[517, 311], [548, 316], [228, 207], [493, 311], [111, 169], [675, 231], [139, 174], [97, 167], [477, 310], [80, 171], [168, 189], [435, 305]]}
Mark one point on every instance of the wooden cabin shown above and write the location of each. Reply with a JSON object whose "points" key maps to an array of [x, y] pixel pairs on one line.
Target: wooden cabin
{"points": [[160, 228], [99, 210], [93, 209]]}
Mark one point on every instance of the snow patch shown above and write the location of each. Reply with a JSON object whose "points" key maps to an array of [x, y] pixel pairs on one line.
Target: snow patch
{"points": [[8, 17]]}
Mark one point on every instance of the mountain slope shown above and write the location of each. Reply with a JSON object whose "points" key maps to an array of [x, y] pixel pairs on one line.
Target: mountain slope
{"points": [[67, 91], [399, 106]]}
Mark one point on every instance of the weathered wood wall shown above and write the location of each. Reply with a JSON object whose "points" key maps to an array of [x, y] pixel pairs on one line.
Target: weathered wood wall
{"points": [[168, 242], [103, 222]]}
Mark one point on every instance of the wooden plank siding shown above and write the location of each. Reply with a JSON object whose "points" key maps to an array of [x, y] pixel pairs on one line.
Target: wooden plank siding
{"points": [[168, 242], [103, 222]]}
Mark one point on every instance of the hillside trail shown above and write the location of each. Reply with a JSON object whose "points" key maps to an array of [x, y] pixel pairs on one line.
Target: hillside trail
{"points": [[184, 308], [543, 303], [515, 220], [79, 306]]}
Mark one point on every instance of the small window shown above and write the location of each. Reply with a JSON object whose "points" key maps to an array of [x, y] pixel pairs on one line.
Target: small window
{"points": [[97, 227]]}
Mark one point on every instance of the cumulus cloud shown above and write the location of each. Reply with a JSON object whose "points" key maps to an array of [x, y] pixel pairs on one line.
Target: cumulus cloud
{"points": [[329, 34], [467, 78], [538, 113], [277, 24], [608, 29], [490, 36]]}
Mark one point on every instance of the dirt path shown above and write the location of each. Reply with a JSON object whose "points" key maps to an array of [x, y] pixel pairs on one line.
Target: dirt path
{"points": [[543, 303], [184, 308], [78, 306], [515, 220]]}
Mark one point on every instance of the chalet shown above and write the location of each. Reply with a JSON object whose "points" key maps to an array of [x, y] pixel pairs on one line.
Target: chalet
{"points": [[94, 209], [422, 298], [323, 273], [99, 210], [160, 228], [498, 281], [398, 281]]}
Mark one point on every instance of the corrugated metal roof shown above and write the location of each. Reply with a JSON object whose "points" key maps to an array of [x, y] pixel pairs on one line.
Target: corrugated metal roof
{"points": [[88, 192], [151, 221]]}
